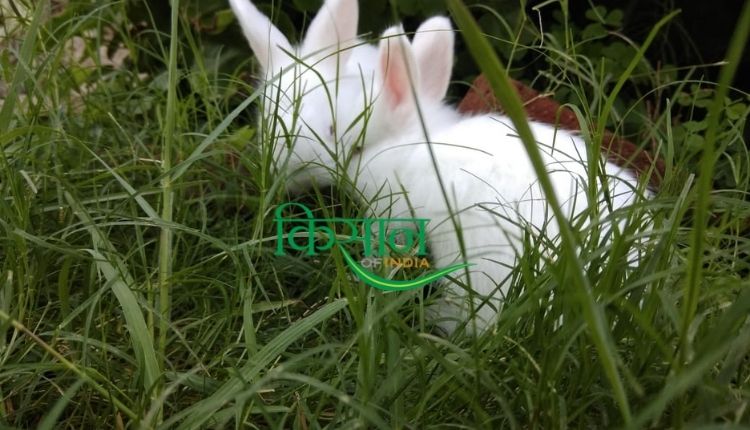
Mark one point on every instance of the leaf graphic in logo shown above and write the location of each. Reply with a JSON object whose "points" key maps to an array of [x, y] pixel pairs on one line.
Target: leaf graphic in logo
{"points": [[384, 284]]}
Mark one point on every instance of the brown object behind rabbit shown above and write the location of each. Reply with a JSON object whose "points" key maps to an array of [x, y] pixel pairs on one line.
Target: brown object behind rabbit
{"points": [[480, 99]]}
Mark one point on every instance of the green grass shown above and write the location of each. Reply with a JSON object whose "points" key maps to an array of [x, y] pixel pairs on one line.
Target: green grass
{"points": [[139, 286]]}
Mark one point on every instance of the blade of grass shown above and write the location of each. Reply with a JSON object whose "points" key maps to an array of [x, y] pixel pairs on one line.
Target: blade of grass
{"points": [[21, 75], [131, 192], [199, 152], [705, 178], [708, 160], [50, 420], [167, 235], [69, 365], [604, 116], [115, 271], [371, 418], [609, 104], [718, 344], [490, 65], [198, 414]]}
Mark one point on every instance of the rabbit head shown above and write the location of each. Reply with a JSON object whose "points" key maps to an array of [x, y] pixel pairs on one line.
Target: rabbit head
{"points": [[310, 90]]}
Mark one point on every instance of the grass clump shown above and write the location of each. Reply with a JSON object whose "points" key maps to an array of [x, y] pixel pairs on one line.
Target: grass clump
{"points": [[102, 153]]}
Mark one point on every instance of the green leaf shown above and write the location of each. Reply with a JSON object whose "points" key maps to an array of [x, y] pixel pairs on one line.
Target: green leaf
{"points": [[594, 31], [597, 13], [224, 18], [614, 18], [736, 111], [695, 126], [695, 143]]}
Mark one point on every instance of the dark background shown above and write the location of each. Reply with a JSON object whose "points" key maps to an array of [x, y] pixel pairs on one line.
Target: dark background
{"points": [[698, 36]]}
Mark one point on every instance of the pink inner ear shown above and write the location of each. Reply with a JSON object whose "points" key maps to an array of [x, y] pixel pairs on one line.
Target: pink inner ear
{"points": [[395, 83]]}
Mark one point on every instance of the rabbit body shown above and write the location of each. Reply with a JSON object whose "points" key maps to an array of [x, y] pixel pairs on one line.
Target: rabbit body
{"points": [[492, 189]]}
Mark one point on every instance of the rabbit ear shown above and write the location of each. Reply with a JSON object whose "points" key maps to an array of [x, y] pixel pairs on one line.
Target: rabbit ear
{"points": [[265, 39], [433, 50], [334, 26], [397, 70]]}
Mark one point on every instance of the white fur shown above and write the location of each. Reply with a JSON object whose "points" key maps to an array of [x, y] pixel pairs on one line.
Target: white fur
{"points": [[491, 187], [433, 51], [314, 89]]}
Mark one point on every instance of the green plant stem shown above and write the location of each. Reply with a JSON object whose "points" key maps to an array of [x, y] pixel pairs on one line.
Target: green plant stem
{"points": [[610, 102], [166, 237], [496, 75], [705, 180], [602, 123], [69, 365]]}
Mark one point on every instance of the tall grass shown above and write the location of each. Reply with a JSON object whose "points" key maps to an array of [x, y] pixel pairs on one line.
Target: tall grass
{"points": [[101, 163]]}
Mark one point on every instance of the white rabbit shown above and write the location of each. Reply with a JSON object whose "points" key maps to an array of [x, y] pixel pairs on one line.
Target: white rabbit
{"points": [[491, 187], [316, 89], [310, 88], [368, 115]]}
